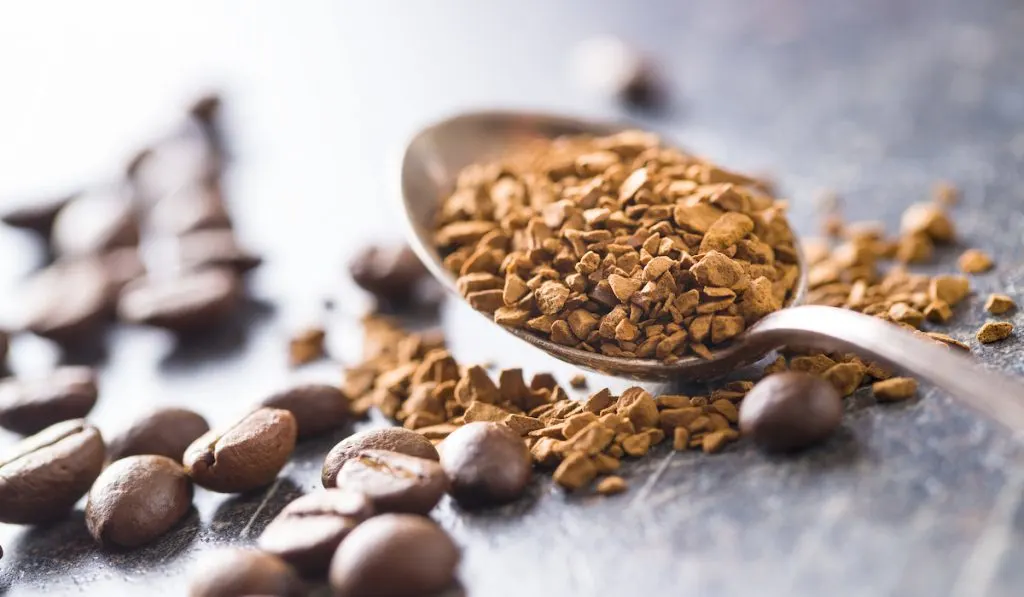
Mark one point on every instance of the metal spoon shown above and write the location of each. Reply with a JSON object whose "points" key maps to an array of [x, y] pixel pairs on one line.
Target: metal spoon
{"points": [[434, 157]]}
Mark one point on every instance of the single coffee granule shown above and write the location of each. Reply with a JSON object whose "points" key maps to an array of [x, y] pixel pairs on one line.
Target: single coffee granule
{"points": [[612, 485], [894, 389], [975, 261], [306, 346], [994, 331], [999, 304], [578, 381], [618, 245]]}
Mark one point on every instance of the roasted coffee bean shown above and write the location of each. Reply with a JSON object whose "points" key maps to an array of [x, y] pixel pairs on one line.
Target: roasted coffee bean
{"points": [[244, 456], [394, 482], [183, 159], [394, 555], [164, 432], [68, 300], [137, 499], [487, 464], [37, 215], [318, 408], [31, 405], [194, 207], [215, 248], [122, 266], [95, 222], [393, 439], [307, 531], [237, 572], [191, 301], [43, 476], [391, 274], [791, 410]]}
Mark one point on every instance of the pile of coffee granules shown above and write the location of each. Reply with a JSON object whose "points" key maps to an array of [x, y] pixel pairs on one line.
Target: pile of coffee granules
{"points": [[618, 245], [413, 379]]}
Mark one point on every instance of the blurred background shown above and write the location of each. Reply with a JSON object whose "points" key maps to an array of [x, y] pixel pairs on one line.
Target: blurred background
{"points": [[877, 99]]}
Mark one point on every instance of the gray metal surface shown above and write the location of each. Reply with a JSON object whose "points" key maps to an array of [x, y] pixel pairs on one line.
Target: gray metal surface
{"points": [[876, 99]]}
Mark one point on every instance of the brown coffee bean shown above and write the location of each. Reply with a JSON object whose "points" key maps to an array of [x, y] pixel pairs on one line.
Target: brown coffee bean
{"points": [[215, 248], [393, 439], [195, 207], [163, 432], [318, 408], [137, 499], [31, 405], [37, 215], [68, 300], [487, 463], [395, 482], [122, 266], [95, 222], [307, 531], [389, 273], [191, 301], [237, 572], [394, 555], [244, 456], [791, 410], [43, 476]]}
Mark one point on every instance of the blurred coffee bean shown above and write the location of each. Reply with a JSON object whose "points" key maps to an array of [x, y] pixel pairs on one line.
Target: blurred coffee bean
{"points": [[190, 301], [194, 207], [95, 222], [790, 411], [243, 456], [183, 159], [31, 405], [215, 248], [68, 300], [488, 464], [307, 531], [163, 432], [390, 273], [235, 572], [37, 215], [136, 500], [43, 476], [393, 439], [206, 108], [609, 66], [318, 408], [122, 266], [394, 482], [394, 555]]}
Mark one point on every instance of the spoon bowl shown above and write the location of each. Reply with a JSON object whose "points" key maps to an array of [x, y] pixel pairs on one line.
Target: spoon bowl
{"points": [[430, 166], [429, 169]]}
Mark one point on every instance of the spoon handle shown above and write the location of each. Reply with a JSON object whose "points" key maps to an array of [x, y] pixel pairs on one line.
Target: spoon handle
{"points": [[999, 396]]}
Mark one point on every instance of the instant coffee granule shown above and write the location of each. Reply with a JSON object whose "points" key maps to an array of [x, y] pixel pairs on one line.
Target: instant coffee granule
{"points": [[414, 380], [999, 304], [994, 331], [618, 245]]}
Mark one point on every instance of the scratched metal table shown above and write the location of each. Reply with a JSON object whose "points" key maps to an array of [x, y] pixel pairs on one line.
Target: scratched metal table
{"points": [[876, 99]]}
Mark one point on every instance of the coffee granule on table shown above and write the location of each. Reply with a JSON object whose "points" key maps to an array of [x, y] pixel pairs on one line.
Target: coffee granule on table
{"points": [[999, 304], [306, 346], [618, 245], [994, 331], [975, 261]]}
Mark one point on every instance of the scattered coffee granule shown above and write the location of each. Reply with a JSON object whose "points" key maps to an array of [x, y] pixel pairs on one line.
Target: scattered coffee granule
{"points": [[618, 245], [894, 389], [306, 346], [975, 261], [998, 304], [612, 485], [578, 381], [994, 331]]}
